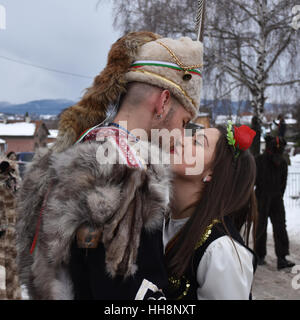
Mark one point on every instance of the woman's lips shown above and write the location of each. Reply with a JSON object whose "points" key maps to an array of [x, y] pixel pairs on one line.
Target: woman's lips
{"points": [[172, 149]]}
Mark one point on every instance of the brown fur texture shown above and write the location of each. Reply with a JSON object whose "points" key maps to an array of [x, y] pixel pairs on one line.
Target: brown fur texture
{"points": [[9, 181], [106, 89], [116, 199]]}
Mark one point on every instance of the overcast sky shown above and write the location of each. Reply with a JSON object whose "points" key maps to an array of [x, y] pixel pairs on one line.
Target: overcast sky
{"points": [[67, 35]]}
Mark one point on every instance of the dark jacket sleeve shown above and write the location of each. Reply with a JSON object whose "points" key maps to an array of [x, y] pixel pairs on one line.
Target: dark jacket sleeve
{"points": [[282, 129], [283, 177], [258, 175]]}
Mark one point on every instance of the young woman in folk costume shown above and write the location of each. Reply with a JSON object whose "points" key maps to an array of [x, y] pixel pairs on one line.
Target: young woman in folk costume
{"points": [[205, 254]]}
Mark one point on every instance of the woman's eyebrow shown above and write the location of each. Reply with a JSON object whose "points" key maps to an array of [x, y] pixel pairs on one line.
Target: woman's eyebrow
{"points": [[203, 135]]}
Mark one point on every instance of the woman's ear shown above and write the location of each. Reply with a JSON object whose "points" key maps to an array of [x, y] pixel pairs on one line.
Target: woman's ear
{"points": [[207, 176]]}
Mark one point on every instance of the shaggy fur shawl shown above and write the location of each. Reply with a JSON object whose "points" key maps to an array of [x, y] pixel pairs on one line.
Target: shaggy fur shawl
{"points": [[115, 198]]}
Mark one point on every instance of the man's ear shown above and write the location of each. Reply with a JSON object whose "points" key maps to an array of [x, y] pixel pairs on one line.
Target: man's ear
{"points": [[4, 165], [163, 102]]}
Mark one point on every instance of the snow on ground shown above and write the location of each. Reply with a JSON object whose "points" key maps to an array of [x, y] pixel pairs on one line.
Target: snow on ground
{"points": [[269, 283], [292, 205], [295, 163]]}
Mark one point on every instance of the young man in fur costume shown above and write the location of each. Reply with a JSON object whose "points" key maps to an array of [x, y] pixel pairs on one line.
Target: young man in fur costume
{"points": [[90, 230]]}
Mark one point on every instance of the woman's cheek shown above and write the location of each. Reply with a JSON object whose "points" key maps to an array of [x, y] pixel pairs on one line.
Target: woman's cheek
{"points": [[179, 169]]}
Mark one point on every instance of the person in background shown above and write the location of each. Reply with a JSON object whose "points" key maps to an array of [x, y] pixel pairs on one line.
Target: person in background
{"points": [[256, 126], [12, 156], [9, 181], [281, 126], [271, 181]]}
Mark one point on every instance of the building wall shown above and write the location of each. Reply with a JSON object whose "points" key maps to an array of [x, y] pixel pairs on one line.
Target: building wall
{"points": [[40, 135], [51, 140], [19, 144], [2, 148]]}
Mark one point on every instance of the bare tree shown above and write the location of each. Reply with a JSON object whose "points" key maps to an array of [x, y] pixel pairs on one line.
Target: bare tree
{"points": [[248, 44]]}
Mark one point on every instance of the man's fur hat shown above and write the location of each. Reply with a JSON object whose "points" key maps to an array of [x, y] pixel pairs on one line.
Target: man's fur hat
{"points": [[138, 56]]}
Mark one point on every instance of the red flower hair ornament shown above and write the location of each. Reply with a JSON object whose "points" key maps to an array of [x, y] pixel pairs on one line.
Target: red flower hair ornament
{"points": [[240, 138]]}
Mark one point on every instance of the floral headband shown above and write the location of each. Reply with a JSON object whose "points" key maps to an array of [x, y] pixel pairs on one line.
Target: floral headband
{"points": [[240, 138]]}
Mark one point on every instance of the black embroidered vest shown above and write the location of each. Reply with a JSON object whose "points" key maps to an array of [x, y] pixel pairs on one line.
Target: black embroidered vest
{"points": [[185, 288]]}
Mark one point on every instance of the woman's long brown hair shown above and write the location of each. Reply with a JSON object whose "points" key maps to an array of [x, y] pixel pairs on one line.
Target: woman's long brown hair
{"points": [[229, 193]]}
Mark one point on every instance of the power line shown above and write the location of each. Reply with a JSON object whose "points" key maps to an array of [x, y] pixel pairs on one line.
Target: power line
{"points": [[45, 68]]}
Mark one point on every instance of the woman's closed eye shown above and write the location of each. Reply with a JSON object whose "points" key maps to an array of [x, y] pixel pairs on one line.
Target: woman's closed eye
{"points": [[198, 143], [201, 139]]}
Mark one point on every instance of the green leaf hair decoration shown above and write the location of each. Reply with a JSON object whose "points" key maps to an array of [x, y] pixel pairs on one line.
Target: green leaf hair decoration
{"points": [[231, 140]]}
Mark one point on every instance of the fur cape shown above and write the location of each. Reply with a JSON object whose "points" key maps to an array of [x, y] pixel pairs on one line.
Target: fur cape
{"points": [[117, 199], [106, 89]]}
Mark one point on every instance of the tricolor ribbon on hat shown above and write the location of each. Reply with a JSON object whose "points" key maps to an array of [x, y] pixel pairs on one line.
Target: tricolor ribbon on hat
{"points": [[143, 63]]}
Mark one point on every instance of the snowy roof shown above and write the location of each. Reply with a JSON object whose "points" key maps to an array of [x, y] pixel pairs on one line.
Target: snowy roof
{"points": [[47, 116], [222, 119], [2, 141], [17, 129], [53, 133], [244, 119], [203, 114], [290, 121]]}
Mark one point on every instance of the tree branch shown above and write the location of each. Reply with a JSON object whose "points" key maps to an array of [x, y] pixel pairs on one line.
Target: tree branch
{"points": [[243, 7], [281, 49], [286, 83], [224, 95]]}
